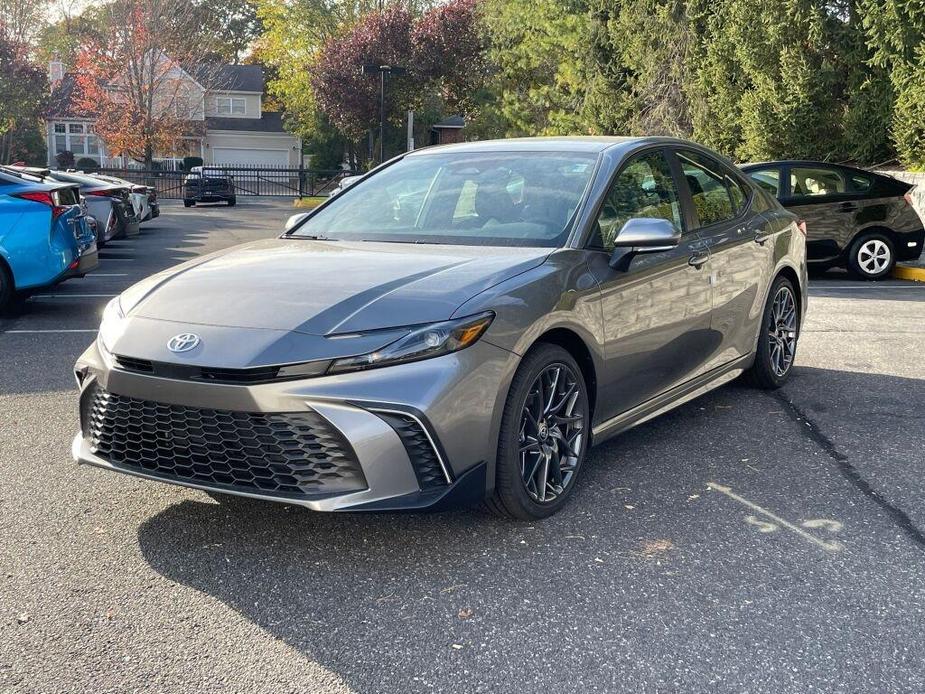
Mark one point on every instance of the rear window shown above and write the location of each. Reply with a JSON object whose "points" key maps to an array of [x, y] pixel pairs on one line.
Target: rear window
{"points": [[860, 183]]}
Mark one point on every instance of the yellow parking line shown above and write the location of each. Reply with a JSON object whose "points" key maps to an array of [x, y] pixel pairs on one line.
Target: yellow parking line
{"points": [[908, 272]]}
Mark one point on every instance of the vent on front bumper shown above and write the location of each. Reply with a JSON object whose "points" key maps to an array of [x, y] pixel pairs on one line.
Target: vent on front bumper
{"points": [[424, 457], [251, 376], [298, 455]]}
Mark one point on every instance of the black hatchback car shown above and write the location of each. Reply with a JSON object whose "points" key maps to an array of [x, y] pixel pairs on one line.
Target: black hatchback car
{"points": [[855, 218], [208, 185]]}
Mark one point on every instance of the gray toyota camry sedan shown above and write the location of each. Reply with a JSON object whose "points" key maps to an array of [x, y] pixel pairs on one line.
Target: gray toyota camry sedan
{"points": [[458, 326]]}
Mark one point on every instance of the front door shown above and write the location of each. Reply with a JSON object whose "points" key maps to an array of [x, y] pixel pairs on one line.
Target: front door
{"points": [[740, 252], [656, 309]]}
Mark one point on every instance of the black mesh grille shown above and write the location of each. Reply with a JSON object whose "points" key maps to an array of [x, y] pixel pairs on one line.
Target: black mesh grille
{"points": [[420, 450], [296, 454]]}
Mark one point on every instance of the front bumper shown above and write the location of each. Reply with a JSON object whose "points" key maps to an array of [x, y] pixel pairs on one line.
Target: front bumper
{"points": [[445, 460]]}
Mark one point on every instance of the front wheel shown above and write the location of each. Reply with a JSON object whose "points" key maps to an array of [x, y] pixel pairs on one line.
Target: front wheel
{"points": [[545, 430], [871, 257], [777, 342]]}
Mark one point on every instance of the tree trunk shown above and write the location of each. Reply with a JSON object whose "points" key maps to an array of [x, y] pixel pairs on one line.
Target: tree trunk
{"points": [[149, 156]]}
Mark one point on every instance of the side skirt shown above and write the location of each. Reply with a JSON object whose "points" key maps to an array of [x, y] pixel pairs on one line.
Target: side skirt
{"points": [[671, 399]]}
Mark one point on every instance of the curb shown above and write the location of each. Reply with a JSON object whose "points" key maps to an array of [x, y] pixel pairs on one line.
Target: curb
{"points": [[909, 272]]}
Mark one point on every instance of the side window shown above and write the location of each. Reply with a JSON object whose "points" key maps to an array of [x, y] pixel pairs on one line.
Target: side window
{"points": [[643, 188], [767, 179], [715, 192], [808, 182], [859, 183]]}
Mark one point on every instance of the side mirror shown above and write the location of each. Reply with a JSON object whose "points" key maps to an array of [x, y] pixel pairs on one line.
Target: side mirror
{"points": [[643, 235], [295, 220]]}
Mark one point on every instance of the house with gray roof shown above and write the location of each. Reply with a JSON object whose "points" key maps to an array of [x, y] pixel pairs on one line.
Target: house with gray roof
{"points": [[226, 99]]}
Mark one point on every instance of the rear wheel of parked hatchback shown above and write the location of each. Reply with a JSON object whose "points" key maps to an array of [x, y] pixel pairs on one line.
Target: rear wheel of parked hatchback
{"points": [[189, 203], [545, 430], [871, 257], [777, 342], [232, 202]]}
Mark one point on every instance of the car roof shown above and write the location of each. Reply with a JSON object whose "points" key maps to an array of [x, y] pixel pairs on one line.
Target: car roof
{"points": [[593, 144], [29, 180], [801, 162]]}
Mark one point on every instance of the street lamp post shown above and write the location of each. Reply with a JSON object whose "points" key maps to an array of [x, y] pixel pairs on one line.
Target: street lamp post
{"points": [[383, 70]]}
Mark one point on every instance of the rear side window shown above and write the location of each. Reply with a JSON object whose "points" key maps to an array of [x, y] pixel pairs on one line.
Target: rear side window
{"points": [[860, 183], [767, 179], [809, 182], [716, 193]]}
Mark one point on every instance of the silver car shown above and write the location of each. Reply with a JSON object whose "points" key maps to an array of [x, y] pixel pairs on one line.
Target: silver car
{"points": [[459, 326]]}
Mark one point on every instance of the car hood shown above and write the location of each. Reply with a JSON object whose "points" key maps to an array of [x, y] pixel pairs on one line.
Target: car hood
{"points": [[325, 287]]}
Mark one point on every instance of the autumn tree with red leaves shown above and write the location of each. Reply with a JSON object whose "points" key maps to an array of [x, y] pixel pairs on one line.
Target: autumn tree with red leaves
{"points": [[442, 50], [137, 82]]}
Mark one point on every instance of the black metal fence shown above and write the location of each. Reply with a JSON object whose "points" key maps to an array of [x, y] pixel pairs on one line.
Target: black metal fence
{"points": [[248, 180]]}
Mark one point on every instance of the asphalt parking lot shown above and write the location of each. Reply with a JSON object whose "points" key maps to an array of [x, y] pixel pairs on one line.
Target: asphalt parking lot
{"points": [[744, 542]]}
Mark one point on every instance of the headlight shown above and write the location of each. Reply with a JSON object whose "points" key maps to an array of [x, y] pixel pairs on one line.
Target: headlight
{"points": [[422, 342], [111, 326]]}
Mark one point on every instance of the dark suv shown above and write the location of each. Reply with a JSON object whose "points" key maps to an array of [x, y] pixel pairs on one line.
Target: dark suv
{"points": [[855, 219], [208, 185]]}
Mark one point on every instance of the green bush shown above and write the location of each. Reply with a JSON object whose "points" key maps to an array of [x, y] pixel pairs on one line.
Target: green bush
{"points": [[190, 162], [87, 164]]}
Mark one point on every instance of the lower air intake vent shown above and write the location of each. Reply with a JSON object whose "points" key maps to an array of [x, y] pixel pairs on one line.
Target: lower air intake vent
{"points": [[423, 456], [296, 455]]}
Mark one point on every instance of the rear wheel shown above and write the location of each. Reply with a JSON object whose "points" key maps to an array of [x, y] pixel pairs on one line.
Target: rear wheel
{"points": [[544, 436], [188, 203], [232, 202], [777, 343], [871, 257]]}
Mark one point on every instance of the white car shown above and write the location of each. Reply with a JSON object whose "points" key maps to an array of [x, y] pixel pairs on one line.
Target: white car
{"points": [[343, 184], [138, 195]]}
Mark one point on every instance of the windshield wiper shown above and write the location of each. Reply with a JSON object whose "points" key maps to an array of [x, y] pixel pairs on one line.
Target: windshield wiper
{"points": [[436, 243], [310, 237]]}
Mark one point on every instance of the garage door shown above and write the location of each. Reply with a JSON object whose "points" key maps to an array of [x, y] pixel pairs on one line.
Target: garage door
{"points": [[229, 156]]}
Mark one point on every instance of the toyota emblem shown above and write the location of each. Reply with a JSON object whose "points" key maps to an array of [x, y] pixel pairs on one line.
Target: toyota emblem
{"points": [[183, 342]]}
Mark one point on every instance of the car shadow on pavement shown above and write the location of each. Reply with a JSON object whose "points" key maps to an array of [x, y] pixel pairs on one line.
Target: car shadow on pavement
{"points": [[628, 581]]}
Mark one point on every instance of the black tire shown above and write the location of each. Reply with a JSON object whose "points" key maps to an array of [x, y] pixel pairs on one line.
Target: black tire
{"points": [[7, 292], [511, 498], [188, 203], [871, 257], [763, 373], [232, 202]]}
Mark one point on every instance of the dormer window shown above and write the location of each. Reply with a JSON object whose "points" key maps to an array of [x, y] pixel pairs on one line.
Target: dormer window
{"points": [[231, 106]]}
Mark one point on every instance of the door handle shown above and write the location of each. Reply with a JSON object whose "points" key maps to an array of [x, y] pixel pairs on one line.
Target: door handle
{"points": [[698, 258], [847, 207]]}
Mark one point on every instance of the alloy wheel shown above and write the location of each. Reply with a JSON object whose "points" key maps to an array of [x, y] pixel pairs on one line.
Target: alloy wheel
{"points": [[552, 430], [782, 331], [874, 256]]}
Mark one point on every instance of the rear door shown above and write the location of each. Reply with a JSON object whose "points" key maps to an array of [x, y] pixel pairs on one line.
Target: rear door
{"points": [[656, 309], [740, 254], [820, 195]]}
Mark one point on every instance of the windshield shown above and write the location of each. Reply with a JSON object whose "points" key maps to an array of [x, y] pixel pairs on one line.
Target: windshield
{"points": [[472, 198]]}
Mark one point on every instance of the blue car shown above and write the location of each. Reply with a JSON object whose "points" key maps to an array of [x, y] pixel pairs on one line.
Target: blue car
{"points": [[44, 236]]}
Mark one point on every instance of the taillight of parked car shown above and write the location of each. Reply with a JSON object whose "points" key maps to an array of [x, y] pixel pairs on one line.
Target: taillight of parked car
{"points": [[46, 199], [908, 198], [801, 225], [102, 193]]}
